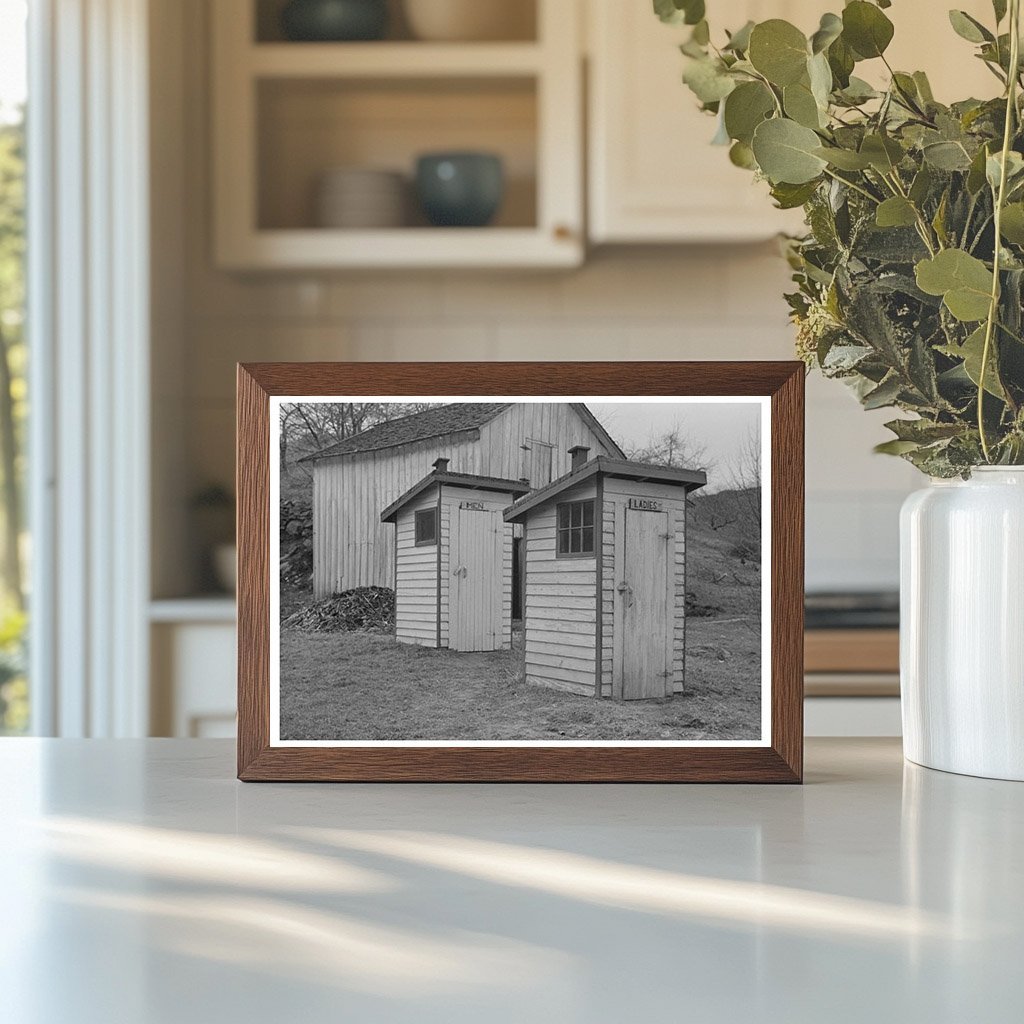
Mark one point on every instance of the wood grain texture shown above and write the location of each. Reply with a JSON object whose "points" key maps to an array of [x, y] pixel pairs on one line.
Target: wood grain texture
{"points": [[852, 650], [781, 762]]}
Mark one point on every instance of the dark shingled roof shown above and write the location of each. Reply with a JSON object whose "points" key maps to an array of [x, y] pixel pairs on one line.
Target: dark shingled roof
{"points": [[436, 422]]}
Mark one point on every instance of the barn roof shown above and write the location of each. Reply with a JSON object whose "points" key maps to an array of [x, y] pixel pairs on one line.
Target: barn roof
{"points": [[480, 483], [456, 418], [690, 479]]}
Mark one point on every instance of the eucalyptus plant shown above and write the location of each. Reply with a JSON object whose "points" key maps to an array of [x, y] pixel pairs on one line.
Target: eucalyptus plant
{"points": [[910, 278]]}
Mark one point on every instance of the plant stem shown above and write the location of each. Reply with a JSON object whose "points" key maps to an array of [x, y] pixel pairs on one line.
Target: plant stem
{"points": [[993, 309], [856, 188]]}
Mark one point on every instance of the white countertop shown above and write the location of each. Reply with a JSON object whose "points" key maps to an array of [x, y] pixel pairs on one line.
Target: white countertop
{"points": [[143, 885]]}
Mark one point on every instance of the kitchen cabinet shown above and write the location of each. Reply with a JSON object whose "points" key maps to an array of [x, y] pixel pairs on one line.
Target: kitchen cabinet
{"points": [[653, 175], [286, 113]]}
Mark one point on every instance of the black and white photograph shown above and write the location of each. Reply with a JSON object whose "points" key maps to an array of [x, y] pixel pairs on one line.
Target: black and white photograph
{"points": [[520, 571]]}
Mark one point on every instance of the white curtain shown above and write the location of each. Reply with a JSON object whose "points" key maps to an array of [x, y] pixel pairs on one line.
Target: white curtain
{"points": [[88, 318]]}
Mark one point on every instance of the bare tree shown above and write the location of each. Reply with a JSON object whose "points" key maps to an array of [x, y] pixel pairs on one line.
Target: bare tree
{"points": [[309, 427], [744, 477], [672, 448]]}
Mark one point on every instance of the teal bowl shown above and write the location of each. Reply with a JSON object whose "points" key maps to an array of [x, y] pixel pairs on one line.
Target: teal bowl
{"points": [[460, 190], [334, 21]]}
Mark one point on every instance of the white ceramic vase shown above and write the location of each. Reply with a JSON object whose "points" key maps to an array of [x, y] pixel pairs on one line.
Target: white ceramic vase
{"points": [[962, 624]]}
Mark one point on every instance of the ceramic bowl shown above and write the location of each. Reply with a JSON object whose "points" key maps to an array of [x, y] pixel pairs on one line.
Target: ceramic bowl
{"points": [[334, 20], [460, 189], [359, 197]]}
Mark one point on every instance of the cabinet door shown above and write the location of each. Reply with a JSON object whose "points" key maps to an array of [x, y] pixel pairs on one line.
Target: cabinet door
{"points": [[654, 176]]}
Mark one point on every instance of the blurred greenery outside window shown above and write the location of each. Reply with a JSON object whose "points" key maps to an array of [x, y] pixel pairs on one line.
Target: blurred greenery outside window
{"points": [[14, 693]]}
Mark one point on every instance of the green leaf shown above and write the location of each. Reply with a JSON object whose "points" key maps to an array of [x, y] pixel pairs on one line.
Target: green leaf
{"points": [[676, 12], [800, 105], [896, 212], [1012, 226], [841, 60], [963, 281], [1014, 169], [789, 197], [999, 7], [924, 87], [895, 447], [921, 185], [946, 156], [844, 159], [858, 91], [739, 41], [882, 153], [976, 174], [778, 50], [820, 76], [866, 29], [923, 431], [708, 80], [885, 394], [971, 352], [829, 30], [785, 152], [969, 28], [741, 155], [746, 107]]}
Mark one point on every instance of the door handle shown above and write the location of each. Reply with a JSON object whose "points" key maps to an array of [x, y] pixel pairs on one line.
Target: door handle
{"points": [[462, 571], [627, 591]]}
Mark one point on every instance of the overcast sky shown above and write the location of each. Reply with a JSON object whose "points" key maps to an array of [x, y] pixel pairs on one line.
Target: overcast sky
{"points": [[719, 429]]}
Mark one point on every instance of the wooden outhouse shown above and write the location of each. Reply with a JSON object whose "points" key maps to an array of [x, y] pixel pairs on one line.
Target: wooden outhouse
{"points": [[355, 478], [605, 557], [453, 561]]}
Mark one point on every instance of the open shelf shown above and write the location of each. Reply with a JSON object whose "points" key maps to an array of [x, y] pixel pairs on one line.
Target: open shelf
{"points": [[308, 127], [393, 60], [288, 113], [520, 17]]}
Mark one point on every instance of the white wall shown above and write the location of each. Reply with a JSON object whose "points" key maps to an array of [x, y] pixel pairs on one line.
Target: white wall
{"points": [[702, 303]]}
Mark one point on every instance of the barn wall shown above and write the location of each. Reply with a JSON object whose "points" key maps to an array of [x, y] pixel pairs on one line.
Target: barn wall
{"points": [[496, 501], [415, 577], [352, 548], [556, 424], [561, 605], [616, 495]]}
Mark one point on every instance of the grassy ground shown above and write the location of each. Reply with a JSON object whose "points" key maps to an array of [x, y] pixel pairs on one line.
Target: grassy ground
{"points": [[367, 686]]}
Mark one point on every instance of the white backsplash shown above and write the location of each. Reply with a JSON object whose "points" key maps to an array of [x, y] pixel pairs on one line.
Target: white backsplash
{"points": [[705, 303]]}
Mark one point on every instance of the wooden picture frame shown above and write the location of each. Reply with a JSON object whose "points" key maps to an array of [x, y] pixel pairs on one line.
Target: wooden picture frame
{"points": [[779, 759]]}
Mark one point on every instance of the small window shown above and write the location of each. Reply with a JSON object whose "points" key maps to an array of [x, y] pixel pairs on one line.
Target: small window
{"points": [[426, 527], [575, 529]]}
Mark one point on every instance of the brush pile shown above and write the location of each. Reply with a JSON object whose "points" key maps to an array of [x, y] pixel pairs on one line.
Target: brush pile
{"points": [[296, 543], [370, 609]]}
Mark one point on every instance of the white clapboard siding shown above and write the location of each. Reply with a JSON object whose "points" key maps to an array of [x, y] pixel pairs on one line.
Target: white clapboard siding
{"points": [[415, 577], [352, 548], [560, 617]]}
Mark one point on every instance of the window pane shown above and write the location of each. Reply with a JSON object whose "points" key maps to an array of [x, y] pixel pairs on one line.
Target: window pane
{"points": [[577, 513], [426, 526], [575, 547], [563, 542], [14, 702], [563, 517], [588, 538], [588, 513]]}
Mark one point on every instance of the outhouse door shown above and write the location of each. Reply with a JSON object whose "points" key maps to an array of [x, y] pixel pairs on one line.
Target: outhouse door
{"points": [[476, 584], [645, 615]]}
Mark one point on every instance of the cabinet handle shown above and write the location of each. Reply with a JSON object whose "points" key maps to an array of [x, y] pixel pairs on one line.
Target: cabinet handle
{"points": [[563, 233]]}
